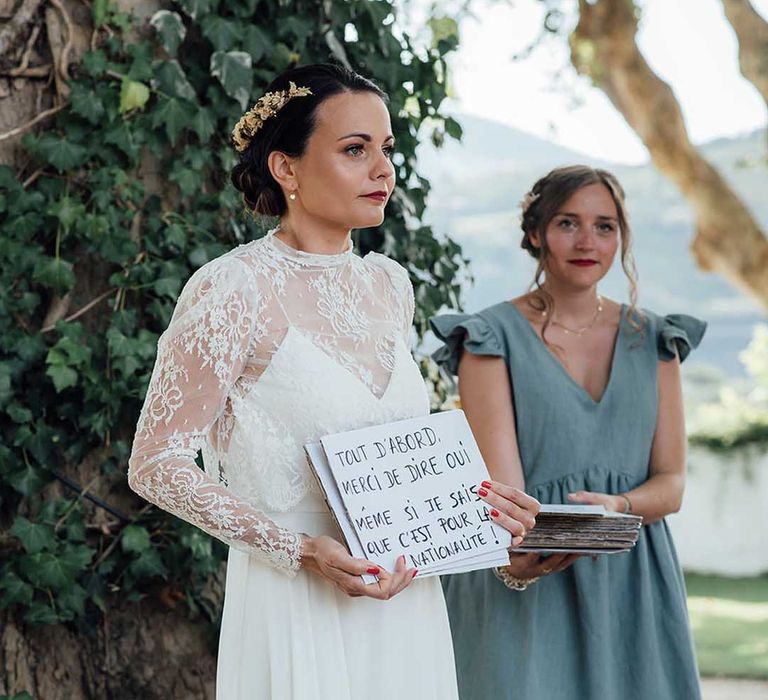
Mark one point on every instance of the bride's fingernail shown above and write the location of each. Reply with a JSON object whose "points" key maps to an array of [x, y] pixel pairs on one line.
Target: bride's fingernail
{"points": [[415, 571], [494, 513], [482, 492], [374, 570], [486, 484]]}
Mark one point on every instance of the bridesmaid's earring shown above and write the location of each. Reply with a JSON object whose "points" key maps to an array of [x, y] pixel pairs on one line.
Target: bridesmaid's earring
{"points": [[292, 196]]}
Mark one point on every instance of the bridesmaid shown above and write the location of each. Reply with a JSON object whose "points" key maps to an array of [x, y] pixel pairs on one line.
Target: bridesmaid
{"points": [[577, 399]]}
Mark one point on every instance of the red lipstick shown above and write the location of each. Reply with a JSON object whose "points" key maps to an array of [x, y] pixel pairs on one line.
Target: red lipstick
{"points": [[583, 262], [378, 196]]}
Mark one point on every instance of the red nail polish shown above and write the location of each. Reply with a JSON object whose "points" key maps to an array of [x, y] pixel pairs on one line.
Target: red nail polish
{"points": [[482, 492], [415, 571], [486, 484], [374, 570], [494, 513]]}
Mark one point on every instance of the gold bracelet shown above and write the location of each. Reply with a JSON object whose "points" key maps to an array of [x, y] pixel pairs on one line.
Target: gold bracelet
{"points": [[510, 581], [627, 503]]}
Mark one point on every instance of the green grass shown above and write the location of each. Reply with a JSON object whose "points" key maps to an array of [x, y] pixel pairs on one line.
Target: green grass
{"points": [[730, 625]]}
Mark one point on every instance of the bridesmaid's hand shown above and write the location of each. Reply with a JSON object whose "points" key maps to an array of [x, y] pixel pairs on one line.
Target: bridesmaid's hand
{"points": [[590, 498], [531, 565], [512, 508], [328, 558]]}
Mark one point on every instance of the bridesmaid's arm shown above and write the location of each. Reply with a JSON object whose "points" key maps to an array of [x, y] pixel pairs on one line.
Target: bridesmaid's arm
{"points": [[486, 399], [662, 493], [487, 402]]}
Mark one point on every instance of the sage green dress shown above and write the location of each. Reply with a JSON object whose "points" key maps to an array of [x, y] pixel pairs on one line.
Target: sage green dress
{"points": [[612, 629]]}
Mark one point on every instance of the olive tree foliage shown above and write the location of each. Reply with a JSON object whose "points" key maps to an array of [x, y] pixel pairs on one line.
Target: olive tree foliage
{"points": [[118, 190]]}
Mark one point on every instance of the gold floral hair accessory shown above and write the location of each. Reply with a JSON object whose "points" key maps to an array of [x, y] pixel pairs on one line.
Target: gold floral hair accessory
{"points": [[268, 105]]}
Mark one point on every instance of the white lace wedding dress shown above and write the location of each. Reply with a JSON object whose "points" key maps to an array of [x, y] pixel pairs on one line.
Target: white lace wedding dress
{"points": [[270, 348]]}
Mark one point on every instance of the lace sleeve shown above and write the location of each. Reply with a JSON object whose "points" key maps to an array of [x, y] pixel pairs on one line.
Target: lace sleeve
{"points": [[199, 358]]}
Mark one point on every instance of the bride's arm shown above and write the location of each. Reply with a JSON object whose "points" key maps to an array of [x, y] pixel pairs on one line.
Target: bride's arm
{"points": [[199, 358]]}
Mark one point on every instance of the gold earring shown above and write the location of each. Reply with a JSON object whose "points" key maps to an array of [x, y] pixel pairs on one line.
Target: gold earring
{"points": [[292, 196]]}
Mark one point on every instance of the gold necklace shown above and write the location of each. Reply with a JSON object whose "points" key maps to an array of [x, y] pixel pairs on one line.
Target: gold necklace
{"points": [[583, 329]]}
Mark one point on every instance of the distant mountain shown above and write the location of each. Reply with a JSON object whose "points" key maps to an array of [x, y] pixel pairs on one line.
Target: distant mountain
{"points": [[476, 187]]}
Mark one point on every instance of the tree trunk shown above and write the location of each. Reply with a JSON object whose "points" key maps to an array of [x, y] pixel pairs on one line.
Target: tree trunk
{"points": [[752, 34], [139, 650], [728, 239]]}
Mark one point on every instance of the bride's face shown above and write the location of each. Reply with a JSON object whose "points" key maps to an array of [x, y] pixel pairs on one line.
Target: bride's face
{"points": [[345, 177]]}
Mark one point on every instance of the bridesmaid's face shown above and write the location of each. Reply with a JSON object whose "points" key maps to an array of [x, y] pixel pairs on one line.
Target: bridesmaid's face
{"points": [[345, 177], [583, 237]]}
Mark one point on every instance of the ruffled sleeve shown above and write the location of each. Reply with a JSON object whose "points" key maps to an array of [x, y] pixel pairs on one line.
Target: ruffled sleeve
{"points": [[678, 334], [460, 332]]}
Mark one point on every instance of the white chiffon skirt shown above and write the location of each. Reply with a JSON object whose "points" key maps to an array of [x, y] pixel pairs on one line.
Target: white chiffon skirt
{"points": [[302, 639]]}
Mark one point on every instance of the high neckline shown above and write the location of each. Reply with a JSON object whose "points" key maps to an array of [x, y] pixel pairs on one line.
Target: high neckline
{"points": [[308, 259]]}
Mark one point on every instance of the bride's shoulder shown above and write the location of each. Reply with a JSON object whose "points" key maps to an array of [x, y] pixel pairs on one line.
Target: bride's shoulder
{"points": [[378, 264]]}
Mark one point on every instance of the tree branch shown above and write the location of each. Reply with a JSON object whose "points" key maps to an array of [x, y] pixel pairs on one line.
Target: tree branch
{"points": [[752, 34], [728, 238], [26, 127]]}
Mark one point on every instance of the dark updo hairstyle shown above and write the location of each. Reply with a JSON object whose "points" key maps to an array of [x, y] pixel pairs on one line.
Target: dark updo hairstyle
{"points": [[290, 129], [544, 201]]}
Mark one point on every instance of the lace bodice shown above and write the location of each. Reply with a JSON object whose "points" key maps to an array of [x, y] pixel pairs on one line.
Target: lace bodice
{"points": [[269, 348]]}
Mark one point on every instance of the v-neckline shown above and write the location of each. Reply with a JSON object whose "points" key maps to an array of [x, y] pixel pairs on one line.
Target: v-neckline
{"points": [[561, 367]]}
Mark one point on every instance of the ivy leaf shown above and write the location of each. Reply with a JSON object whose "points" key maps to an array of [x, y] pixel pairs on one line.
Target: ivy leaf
{"points": [[95, 62], [6, 369], [189, 181], [59, 152], [63, 377], [133, 95], [18, 413], [256, 42], [45, 570], [35, 537], [148, 564], [173, 115], [171, 79], [86, 103], [233, 69], [67, 210], [222, 33], [203, 124], [170, 29], [453, 128], [99, 12], [71, 602], [25, 479], [135, 539], [54, 273], [198, 8], [38, 613], [14, 591]]}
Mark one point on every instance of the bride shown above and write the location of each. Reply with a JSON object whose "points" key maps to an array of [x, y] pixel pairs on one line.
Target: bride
{"points": [[272, 345]]}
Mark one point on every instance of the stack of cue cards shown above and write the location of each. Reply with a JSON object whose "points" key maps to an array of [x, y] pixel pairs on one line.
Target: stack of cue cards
{"points": [[581, 530]]}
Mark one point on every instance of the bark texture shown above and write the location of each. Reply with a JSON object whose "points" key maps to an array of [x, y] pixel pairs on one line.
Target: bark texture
{"points": [[752, 34]]}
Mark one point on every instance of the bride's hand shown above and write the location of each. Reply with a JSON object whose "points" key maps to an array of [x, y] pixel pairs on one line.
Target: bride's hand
{"points": [[512, 508], [328, 558]]}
